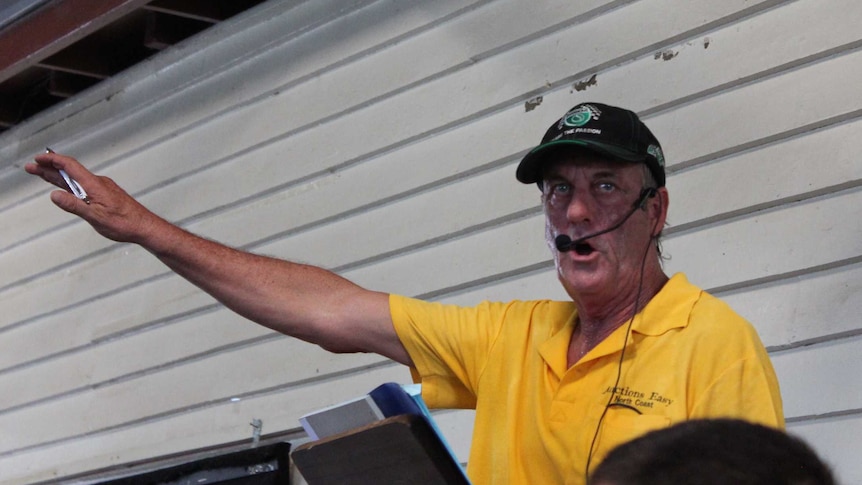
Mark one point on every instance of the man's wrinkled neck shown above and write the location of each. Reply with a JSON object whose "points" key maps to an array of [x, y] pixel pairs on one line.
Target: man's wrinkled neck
{"points": [[601, 313]]}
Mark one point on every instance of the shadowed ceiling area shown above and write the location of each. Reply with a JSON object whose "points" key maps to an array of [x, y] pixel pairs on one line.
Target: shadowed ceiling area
{"points": [[51, 50]]}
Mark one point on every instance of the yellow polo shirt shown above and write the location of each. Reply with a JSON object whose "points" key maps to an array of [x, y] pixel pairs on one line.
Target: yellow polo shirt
{"points": [[689, 356]]}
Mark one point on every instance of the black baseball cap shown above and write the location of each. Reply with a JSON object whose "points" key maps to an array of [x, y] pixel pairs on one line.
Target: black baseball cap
{"points": [[612, 132]]}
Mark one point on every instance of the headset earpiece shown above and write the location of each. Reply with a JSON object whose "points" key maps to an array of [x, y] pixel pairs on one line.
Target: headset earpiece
{"points": [[647, 193]]}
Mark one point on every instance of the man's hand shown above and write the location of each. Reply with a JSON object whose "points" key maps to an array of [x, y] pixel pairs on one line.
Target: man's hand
{"points": [[111, 211]]}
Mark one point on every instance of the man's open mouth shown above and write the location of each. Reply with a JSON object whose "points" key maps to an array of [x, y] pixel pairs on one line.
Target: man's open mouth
{"points": [[583, 249]]}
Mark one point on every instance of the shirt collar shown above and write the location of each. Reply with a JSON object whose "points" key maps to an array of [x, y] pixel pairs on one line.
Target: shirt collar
{"points": [[669, 308]]}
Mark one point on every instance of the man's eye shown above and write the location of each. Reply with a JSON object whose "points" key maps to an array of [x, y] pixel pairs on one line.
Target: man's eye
{"points": [[561, 188], [606, 187]]}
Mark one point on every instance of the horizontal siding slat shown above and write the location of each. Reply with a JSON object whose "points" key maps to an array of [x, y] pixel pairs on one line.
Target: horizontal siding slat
{"points": [[428, 216], [540, 284], [99, 365], [276, 363], [803, 308], [96, 277], [768, 243], [756, 179], [772, 108], [159, 301], [809, 374], [220, 423], [730, 56], [837, 441]]}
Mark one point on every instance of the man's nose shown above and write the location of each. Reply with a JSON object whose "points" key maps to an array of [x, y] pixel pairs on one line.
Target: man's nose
{"points": [[579, 209]]}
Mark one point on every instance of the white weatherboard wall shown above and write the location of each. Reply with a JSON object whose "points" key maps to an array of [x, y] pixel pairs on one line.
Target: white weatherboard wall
{"points": [[379, 139]]}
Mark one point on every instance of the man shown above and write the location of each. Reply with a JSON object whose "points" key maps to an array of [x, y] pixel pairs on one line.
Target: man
{"points": [[713, 452], [555, 384]]}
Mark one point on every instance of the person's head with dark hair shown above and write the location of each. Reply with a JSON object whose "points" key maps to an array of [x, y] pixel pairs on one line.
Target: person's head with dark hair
{"points": [[713, 452]]}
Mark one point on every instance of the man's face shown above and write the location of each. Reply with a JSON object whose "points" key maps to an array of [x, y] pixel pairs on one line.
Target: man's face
{"points": [[584, 194]]}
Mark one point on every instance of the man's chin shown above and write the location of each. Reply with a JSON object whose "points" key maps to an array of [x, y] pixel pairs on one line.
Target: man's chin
{"points": [[583, 282]]}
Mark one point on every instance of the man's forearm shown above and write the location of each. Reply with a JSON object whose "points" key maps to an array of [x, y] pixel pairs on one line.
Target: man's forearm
{"points": [[296, 299]]}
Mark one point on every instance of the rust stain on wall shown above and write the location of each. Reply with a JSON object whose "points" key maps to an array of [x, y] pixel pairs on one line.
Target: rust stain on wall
{"points": [[666, 55], [531, 104], [583, 85]]}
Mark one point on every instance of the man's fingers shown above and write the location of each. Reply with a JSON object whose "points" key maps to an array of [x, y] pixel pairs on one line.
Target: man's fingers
{"points": [[66, 201], [48, 174], [57, 161], [63, 171], [50, 160]]}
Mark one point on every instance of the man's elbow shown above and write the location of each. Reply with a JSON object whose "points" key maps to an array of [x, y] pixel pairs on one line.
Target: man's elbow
{"points": [[337, 346]]}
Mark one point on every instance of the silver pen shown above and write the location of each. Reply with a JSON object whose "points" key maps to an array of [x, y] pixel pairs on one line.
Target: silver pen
{"points": [[73, 184]]}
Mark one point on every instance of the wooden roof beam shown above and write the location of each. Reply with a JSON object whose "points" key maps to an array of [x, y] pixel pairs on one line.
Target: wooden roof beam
{"points": [[54, 27], [211, 11]]}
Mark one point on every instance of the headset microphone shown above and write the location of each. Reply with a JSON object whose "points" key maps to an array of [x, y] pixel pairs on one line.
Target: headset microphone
{"points": [[564, 243]]}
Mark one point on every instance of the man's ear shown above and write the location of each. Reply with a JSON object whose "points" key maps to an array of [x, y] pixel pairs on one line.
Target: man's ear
{"points": [[658, 206]]}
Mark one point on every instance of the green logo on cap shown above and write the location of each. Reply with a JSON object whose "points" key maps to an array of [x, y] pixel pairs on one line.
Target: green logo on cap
{"points": [[656, 152], [580, 116]]}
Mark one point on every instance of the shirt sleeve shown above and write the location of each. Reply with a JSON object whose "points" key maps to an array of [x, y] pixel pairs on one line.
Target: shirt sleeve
{"points": [[449, 346], [746, 390], [741, 382]]}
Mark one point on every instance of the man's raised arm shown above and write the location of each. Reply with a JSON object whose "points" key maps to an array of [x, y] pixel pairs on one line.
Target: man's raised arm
{"points": [[303, 301]]}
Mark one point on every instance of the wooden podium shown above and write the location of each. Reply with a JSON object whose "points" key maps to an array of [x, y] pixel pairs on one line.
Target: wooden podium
{"points": [[403, 449]]}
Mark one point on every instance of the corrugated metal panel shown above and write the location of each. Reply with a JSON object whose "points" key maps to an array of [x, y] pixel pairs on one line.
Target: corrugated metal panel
{"points": [[379, 139]]}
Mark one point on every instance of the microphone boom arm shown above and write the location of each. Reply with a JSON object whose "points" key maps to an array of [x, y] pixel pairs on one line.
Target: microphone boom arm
{"points": [[564, 243]]}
